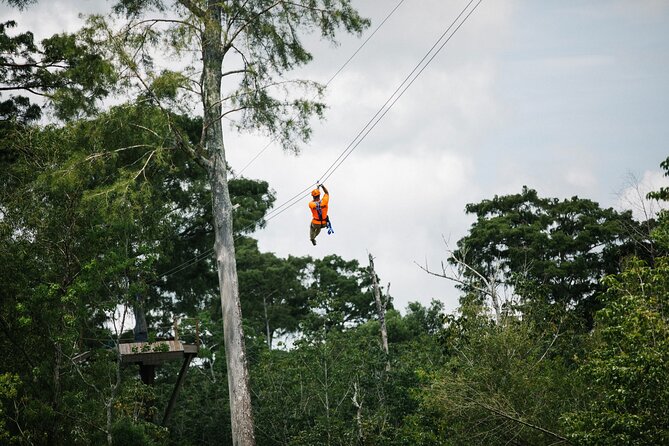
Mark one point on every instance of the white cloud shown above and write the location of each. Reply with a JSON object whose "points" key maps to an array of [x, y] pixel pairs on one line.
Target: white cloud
{"points": [[580, 177], [47, 18]]}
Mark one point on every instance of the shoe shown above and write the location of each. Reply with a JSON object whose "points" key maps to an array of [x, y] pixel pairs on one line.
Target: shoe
{"points": [[313, 241]]}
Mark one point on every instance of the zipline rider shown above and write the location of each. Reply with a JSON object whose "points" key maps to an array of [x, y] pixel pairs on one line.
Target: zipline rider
{"points": [[319, 212]]}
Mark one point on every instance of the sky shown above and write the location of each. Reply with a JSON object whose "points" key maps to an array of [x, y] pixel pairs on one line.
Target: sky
{"points": [[567, 97]]}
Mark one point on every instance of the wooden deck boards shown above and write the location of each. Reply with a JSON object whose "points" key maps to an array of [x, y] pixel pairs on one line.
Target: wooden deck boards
{"points": [[155, 353]]}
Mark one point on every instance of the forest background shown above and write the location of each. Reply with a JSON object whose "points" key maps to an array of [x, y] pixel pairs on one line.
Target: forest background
{"points": [[559, 336]]}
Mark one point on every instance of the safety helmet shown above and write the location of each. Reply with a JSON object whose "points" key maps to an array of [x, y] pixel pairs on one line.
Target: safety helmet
{"points": [[315, 193]]}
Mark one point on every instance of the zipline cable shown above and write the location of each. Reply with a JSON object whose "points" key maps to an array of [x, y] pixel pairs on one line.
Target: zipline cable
{"points": [[293, 200], [192, 261], [331, 79], [371, 124], [204, 254], [390, 101]]}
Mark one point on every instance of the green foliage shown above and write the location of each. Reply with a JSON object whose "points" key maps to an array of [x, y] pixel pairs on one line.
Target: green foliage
{"points": [[500, 385], [626, 368], [339, 295], [273, 48], [255, 199], [135, 413], [274, 297], [100, 214], [47, 302], [9, 387], [551, 252], [135, 7], [21, 4], [65, 68], [126, 432], [78, 237], [333, 387], [167, 84]]}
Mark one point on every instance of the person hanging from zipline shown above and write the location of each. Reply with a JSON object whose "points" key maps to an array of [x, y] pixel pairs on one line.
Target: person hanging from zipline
{"points": [[319, 213]]}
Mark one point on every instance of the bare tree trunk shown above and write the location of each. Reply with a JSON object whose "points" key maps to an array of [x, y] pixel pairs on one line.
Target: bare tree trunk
{"points": [[523, 422], [141, 331], [326, 403], [495, 301], [267, 329], [113, 394], [489, 282], [381, 310], [358, 413], [52, 437], [147, 372], [238, 376], [109, 403]]}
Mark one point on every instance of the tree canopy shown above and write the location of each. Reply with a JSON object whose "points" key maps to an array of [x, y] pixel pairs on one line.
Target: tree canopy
{"points": [[552, 253]]}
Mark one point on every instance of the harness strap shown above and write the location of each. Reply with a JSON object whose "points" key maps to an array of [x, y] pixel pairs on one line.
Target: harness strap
{"points": [[320, 211], [323, 222]]}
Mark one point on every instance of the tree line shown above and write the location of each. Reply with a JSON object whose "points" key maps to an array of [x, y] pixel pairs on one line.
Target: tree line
{"points": [[560, 336]]}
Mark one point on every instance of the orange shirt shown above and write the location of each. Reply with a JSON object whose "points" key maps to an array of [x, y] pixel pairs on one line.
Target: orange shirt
{"points": [[313, 205]]}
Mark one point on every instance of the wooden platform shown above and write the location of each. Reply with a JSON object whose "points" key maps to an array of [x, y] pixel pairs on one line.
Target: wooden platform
{"points": [[155, 353]]}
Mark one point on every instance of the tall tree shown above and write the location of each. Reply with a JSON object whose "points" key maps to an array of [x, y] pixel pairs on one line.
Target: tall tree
{"points": [[381, 306], [552, 252], [248, 46]]}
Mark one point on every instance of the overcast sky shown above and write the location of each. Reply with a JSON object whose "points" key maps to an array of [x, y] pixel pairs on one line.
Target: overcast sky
{"points": [[566, 97]]}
